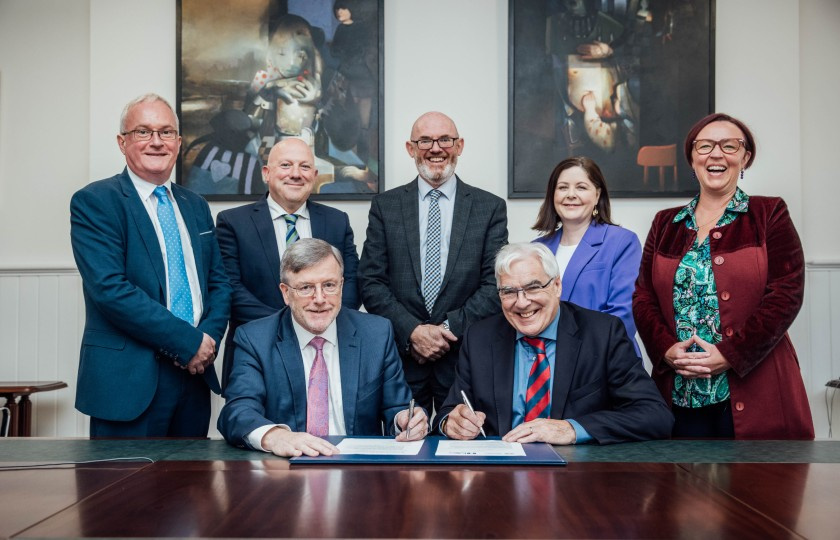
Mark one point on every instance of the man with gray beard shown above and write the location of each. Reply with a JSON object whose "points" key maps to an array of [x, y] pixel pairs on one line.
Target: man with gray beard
{"points": [[427, 262]]}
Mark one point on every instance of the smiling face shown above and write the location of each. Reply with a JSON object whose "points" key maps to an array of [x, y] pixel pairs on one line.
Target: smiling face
{"points": [[314, 313], [575, 196], [290, 173], [154, 159], [436, 164], [717, 171], [530, 315]]}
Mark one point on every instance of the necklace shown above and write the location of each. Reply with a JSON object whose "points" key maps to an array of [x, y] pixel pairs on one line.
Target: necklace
{"points": [[717, 213]]}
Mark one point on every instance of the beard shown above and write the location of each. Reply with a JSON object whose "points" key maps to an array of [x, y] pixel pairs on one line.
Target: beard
{"points": [[432, 177]]}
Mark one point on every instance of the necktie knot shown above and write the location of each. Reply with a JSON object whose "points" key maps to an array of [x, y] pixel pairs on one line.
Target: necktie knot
{"points": [[435, 194], [291, 219], [535, 342], [318, 343], [160, 193]]}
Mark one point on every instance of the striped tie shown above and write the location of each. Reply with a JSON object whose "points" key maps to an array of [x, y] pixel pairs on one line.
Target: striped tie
{"points": [[537, 396], [432, 277], [318, 393], [291, 232], [180, 297]]}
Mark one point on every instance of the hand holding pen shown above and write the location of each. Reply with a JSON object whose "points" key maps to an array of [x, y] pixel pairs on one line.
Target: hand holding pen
{"points": [[464, 423]]}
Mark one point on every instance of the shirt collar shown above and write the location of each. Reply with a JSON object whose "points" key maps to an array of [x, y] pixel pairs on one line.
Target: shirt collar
{"points": [[305, 336], [278, 211], [740, 202], [447, 188], [549, 332], [144, 187]]}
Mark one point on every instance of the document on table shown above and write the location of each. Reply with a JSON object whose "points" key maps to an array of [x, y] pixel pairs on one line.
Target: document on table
{"points": [[479, 448], [379, 447]]}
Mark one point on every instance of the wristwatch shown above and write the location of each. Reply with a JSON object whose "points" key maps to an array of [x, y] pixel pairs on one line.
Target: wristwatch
{"points": [[445, 324]]}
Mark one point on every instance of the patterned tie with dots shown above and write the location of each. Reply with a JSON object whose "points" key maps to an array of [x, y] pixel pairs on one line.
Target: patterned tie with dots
{"points": [[432, 276], [291, 232], [318, 393], [537, 396], [180, 298]]}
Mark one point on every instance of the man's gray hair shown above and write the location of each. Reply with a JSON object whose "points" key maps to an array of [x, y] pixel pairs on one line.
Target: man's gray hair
{"points": [[145, 98], [305, 253], [512, 253]]}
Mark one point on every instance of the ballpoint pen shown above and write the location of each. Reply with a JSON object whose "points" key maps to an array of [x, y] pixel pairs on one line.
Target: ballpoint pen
{"points": [[410, 416], [469, 405]]}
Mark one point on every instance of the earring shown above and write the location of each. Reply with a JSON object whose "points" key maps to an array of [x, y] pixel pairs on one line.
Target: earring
{"points": [[693, 175], [595, 212], [742, 174]]}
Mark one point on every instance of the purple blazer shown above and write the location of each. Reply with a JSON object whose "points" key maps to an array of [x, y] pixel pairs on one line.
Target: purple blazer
{"points": [[602, 272]]}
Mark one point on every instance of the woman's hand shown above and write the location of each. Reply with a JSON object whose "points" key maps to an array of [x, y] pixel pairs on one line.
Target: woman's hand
{"points": [[696, 365]]}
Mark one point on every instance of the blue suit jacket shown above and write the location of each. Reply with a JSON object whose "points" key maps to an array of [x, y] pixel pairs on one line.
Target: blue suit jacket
{"points": [[268, 381], [252, 261], [602, 272], [128, 330]]}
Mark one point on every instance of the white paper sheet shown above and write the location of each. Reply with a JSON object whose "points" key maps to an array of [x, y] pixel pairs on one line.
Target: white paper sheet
{"points": [[379, 447], [479, 448]]}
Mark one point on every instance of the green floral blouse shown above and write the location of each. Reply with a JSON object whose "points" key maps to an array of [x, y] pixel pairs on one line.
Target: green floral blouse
{"points": [[696, 305]]}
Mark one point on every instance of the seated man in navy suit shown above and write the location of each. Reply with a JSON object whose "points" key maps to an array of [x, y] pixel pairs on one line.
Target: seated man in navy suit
{"points": [[549, 371], [314, 369], [253, 238]]}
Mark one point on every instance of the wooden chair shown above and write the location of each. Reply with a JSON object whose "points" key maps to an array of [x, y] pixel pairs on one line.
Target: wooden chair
{"points": [[658, 156]]}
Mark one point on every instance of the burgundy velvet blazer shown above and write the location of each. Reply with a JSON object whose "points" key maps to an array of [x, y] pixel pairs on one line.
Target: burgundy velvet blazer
{"points": [[759, 270]]}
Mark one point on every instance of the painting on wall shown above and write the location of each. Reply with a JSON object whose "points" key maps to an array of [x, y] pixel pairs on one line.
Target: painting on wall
{"points": [[253, 72], [620, 82]]}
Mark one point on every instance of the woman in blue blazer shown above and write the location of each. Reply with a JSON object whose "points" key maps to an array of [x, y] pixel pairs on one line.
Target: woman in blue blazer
{"points": [[599, 261]]}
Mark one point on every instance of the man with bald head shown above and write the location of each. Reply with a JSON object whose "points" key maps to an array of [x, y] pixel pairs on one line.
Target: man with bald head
{"points": [[427, 262], [254, 237]]}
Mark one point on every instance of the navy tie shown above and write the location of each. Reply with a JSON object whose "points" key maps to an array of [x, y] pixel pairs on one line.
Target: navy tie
{"points": [[180, 297]]}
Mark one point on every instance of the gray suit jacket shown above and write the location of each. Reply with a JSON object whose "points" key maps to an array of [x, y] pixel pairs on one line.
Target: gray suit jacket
{"points": [[390, 276]]}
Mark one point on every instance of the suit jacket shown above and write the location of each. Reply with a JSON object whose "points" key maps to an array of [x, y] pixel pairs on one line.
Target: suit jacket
{"points": [[252, 261], [390, 274], [268, 382], [128, 329], [598, 380], [602, 272], [759, 272]]}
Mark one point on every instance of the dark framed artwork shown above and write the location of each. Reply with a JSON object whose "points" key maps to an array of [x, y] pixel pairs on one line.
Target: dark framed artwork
{"points": [[252, 72], [619, 82]]}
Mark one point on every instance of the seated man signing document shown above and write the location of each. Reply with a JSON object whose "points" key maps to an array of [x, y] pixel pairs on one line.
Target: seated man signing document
{"points": [[314, 369], [549, 371]]}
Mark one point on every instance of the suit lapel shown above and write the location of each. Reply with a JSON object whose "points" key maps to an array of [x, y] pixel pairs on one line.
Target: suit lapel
{"points": [[566, 356], [317, 220], [146, 230], [589, 246], [460, 223], [410, 210], [288, 351], [501, 372], [267, 237], [349, 364]]}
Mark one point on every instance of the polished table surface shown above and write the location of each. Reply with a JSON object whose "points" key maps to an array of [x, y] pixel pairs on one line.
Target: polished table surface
{"points": [[659, 489]]}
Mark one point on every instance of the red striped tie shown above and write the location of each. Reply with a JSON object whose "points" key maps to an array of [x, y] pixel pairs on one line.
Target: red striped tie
{"points": [[537, 396]]}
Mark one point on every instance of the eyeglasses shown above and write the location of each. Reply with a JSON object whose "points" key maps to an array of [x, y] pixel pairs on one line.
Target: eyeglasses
{"points": [[143, 134], [530, 292], [443, 142], [329, 288], [728, 146]]}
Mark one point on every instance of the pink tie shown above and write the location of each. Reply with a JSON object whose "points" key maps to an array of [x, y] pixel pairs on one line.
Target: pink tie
{"points": [[318, 399]]}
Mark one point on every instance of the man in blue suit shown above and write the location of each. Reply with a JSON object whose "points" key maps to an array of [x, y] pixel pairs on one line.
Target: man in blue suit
{"points": [[253, 238], [156, 296], [314, 369]]}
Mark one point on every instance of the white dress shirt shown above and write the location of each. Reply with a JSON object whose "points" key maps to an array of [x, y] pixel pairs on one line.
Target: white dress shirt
{"points": [[303, 225], [564, 256], [446, 202], [150, 201]]}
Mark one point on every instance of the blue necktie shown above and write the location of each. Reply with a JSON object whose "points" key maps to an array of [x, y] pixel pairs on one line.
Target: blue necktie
{"points": [[432, 276], [291, 232], [180, 298]]}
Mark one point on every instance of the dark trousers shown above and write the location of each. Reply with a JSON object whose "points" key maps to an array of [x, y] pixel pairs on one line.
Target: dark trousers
{"points": [[430, 382], [710, 422], [180, 408]]}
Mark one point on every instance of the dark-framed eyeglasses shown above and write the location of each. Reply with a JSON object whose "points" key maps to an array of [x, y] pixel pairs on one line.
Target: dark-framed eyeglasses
{"points": [[530, 291], [329, 288], [727, 146], [443, 142], [143, 134]]}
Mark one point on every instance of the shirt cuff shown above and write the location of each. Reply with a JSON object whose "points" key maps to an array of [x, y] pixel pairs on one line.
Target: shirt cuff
{"points": [[581, 435], [254, 438]]}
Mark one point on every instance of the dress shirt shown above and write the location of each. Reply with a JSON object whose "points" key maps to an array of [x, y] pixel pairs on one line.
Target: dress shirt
{"points": [[525, 356], [563, 255], [307, 352], [303, 224], [446, 202], [150, 201]]}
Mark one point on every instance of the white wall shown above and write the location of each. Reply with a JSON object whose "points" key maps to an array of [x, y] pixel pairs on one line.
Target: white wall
{"points": [[68, 66]]}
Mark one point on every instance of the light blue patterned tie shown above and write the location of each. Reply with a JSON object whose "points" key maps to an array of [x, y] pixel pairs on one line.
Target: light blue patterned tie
{"points": [[432, 277], [180, 298], [291, 232]]}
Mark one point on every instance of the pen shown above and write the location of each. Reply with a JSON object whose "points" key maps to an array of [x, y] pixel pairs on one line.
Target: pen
{"points": [[469, 405], [410, 416]]}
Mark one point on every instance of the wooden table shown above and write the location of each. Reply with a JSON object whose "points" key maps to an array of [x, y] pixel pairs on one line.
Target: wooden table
{"points": [[208, 489], [20, 413]]}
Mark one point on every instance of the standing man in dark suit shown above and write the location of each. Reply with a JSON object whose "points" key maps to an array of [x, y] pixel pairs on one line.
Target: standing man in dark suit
{"points": [[427, 263], [314, 368], [550, 371], [254, 237], [156, 296]]}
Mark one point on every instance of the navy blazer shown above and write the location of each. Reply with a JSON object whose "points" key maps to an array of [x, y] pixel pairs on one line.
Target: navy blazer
{"points": [[602, 272], [268, 381], [128, 329], [249, 250], [598, 380]]}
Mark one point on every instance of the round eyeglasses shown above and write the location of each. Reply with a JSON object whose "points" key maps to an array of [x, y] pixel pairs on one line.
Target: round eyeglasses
{"points": [[329, 288]]}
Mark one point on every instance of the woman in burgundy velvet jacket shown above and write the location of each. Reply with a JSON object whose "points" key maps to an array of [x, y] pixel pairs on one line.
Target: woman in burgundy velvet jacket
{"points": [[721, 281]]}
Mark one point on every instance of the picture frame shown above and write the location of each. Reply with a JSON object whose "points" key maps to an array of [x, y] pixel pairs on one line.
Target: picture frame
{"points": [[621, 84], [252, 72]]}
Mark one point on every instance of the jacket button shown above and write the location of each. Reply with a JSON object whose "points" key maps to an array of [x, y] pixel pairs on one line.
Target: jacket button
{"points": [[718, 260], [728, 331], [716, 235], [724, 296], [739, 405]]}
